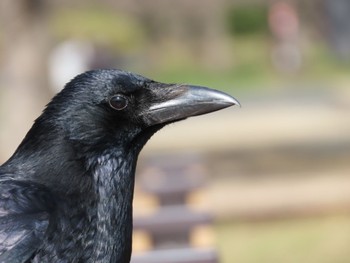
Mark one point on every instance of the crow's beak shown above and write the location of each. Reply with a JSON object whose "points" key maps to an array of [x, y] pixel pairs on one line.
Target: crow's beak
{"points": [[174, 103]]}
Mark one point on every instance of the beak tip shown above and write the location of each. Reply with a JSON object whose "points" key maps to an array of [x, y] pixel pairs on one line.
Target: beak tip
{"points": [[234, 102], [225, 99], [237, 103]]}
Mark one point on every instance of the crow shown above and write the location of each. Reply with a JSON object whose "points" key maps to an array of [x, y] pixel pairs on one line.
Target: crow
{"points": [[66, 193]]}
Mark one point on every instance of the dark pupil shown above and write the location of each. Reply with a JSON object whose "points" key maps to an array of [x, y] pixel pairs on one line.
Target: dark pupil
{"points": [[118, 102]]}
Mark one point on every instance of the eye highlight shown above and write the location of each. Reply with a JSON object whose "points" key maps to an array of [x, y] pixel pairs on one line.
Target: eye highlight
{"points": [[118, 102]]}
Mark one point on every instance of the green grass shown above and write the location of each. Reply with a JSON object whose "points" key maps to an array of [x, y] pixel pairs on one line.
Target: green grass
{"points": [[318, 240], [253, 70], [249, 69], [227, 81]]}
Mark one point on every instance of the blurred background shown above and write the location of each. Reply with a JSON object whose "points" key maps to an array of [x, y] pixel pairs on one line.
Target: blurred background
{"points": [[275, 172]]}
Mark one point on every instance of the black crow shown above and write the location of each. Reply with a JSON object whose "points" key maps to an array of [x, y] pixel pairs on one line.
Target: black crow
{"points": [[66, 193]]}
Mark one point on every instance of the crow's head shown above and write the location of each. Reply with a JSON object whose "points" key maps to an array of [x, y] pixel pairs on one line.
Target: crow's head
{"points": [[103, 109], [113, 108]]}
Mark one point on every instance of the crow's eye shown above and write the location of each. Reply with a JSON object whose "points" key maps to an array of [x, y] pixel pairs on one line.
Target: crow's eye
{"points": [[118, 102]]}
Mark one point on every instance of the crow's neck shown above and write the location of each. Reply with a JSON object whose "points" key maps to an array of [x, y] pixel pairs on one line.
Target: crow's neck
{"points": [[96, 225], [113, 178]]}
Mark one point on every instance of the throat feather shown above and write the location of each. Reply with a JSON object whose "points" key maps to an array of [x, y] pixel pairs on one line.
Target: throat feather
{"points": [[114, 186]]}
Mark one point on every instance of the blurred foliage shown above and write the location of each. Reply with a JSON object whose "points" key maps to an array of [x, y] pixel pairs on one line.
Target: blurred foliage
{"points": [[173, 58], [241, 78], [245, 20], [100, 25], [314, 240], [249, 69]]}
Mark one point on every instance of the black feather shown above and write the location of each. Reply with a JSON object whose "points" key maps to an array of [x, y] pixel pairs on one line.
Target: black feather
{"points": [[66, 193]]}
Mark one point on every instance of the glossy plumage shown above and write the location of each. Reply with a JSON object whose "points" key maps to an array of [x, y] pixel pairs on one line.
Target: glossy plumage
{"points": [[66, 193]]}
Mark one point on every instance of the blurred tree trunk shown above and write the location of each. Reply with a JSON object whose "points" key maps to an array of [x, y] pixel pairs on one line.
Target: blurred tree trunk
{"points": [[23, 86]]}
